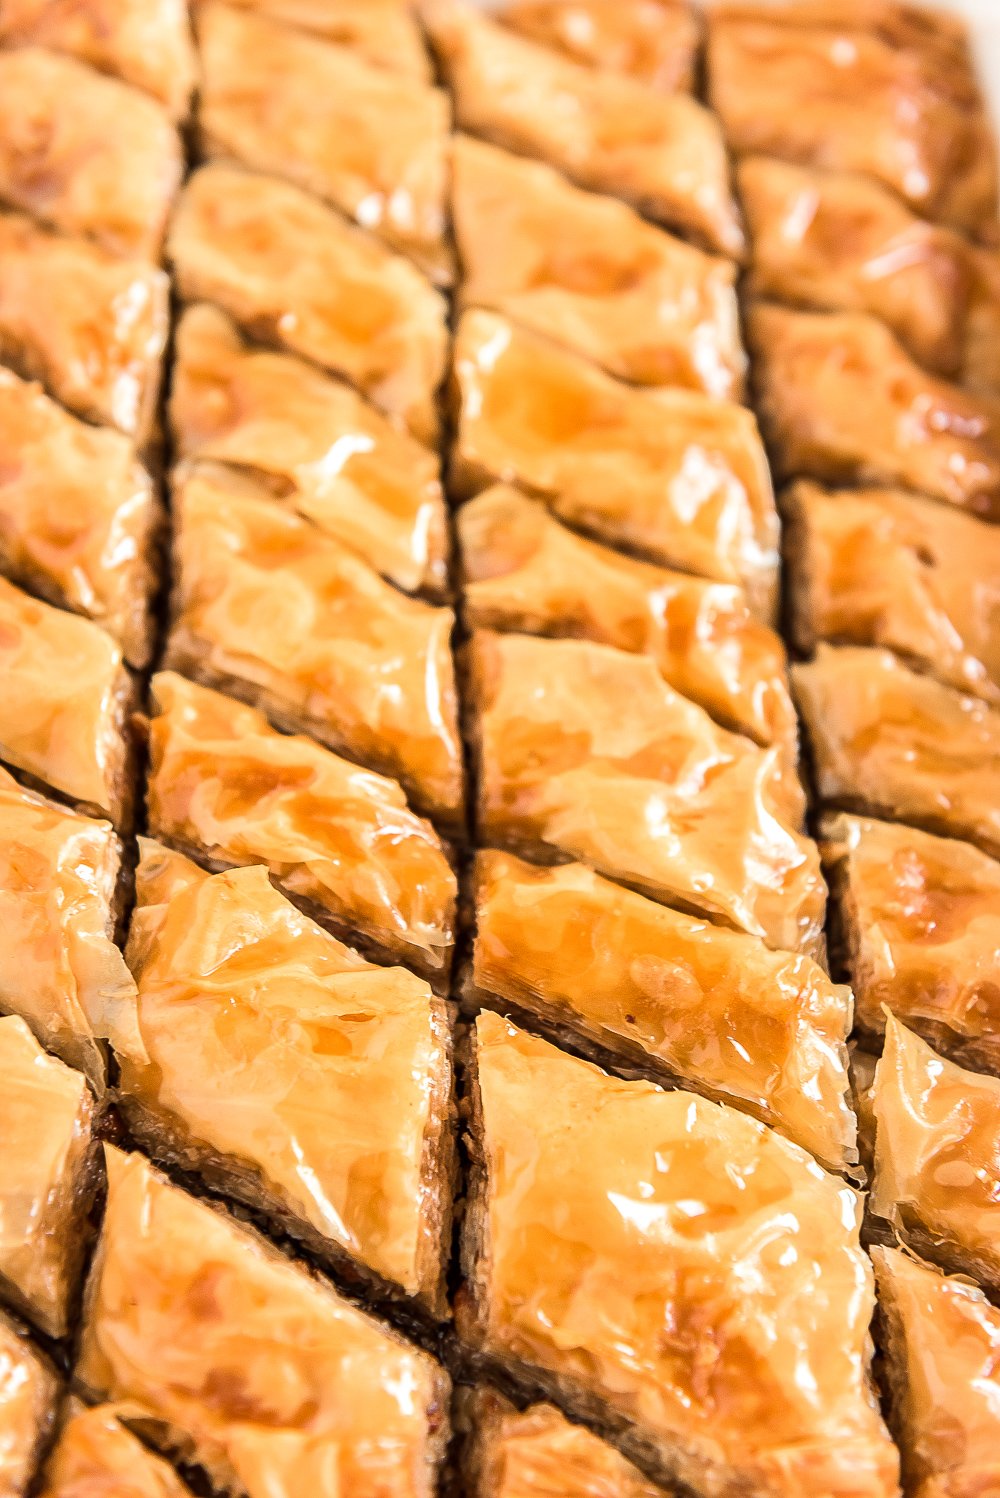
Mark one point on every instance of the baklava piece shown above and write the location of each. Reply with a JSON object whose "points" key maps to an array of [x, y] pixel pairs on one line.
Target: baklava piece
{"points": [[90, 327], [919, 921], [887, 741], [78, 515], [95, 1456], [59, 967], [383, 31], [654, 41], [880, 567], [638, 985], [663, 153], [675, 1271], [292, 272], [264, 1376], [143, 42], [45, 1177], [28, 1393], [672, 474], [981, 353], [370, 143], [227, 789], [315, 444], [267, 607], [841, 400], [943, 1358], [86, 153], [524, 571], [65, 705], [836, 87], [589, 273], [937, 1166], [290, 1072], [585, 751], [537, 1453]]}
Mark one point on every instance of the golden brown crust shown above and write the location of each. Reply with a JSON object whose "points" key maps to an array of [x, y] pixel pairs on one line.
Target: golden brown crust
{"points": [[95, 1455], [654, 41], [28, 1394], [383, 31]]}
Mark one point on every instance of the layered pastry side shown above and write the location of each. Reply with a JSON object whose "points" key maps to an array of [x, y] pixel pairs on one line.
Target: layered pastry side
{"points": [[268, 608], [642, 987], [880, 567], [313, 443], [943, 1346], [937, 1162], [841, 400], [371, 143], [227, 789], [589, 273], [673, 475], [79, 517], [663, 153], [918, 923], [85, 153], [91, 327], [673, 1270], [64, 709], [262, 1374], [897, 744], [537, 1453], [46, 1178], [290, 1072], [876, 89], [29, 1391], [523, 570], [293, 273], [96, 1456], [584, 751], [60, 970], [384, 32]]}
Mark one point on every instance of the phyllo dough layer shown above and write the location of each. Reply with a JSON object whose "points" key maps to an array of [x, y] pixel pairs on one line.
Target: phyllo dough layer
{"points": [[95, 1456], [653, 41], [384, 31], [28, 1393]]}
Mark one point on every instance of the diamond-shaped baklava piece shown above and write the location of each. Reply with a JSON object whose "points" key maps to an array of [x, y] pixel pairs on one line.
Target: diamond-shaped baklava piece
{"points": [[653, 41], [371, 143], [28, 1394], [86, 153], [228, 789], [96, 1456], [291, 271], [524, 571], [584, 750], [919, 921], [266, 1377], [937, 1155], [647, 986], [587, 272], [674, 1269], [841, 400], [78, 515], [943, 1356], [65, 704], [663, 153], [267, 607], [888, 741], [45, 1177], [314, 443], [384, 31], [290, 1071], [673, 474]]}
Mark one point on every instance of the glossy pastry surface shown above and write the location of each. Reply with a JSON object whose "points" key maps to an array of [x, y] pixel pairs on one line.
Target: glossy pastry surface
{"points": [[888, 741], [315, 443], [293, 273], [225, 786], [77, 514], [589, 273], [683, 1264], [653, 41], [384, 31], [669, 473], [28, 1392], [663, 153], [279, 1384], [763, 1030], [522, 570], [371, 143], [584, 750], [95, 1456], [267, 607], [841, 400]]}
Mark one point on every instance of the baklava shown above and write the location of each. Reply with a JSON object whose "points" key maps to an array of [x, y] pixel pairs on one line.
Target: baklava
{"points": [[383, 31], [97, 1455], [654, 41], [29, 1391]]}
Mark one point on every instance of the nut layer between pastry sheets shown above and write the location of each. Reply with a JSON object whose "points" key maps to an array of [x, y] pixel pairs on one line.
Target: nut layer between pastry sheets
{"points": [[28, 1394], [94, 1454], [653, 41]]}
